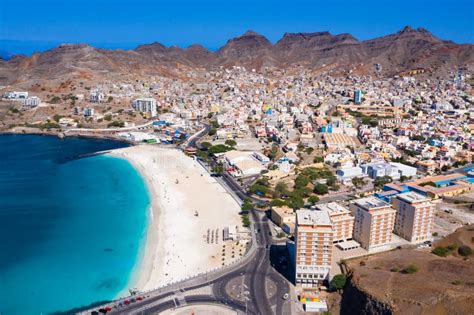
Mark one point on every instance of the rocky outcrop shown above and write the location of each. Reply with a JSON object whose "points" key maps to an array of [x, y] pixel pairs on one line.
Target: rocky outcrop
{"points": [[357, 301]]}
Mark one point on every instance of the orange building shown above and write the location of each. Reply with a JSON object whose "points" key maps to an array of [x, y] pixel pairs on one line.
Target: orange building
{"points": [[313, 238], [341, 219]]}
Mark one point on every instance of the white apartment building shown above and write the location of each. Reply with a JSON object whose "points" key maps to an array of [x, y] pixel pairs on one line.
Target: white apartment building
{"points": [[374, 222], [31, 101], [313, 256], [97, 97], [145, 105], [16, 95], [341, 219], [414, 219]]}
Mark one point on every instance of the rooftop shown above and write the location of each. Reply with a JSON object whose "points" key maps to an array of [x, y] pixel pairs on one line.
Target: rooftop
{"points": [[371, 203], [332, 208], [310, 217], [412, 197]]}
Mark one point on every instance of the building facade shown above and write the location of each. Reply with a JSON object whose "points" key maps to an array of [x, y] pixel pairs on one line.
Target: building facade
{"points": [[145, 105], [414, 218], [341, 219], [374, 222], [313, 256], [357, 96]]}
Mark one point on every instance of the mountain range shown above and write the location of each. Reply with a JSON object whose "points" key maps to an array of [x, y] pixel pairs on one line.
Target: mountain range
{"points": [[406, 50]]}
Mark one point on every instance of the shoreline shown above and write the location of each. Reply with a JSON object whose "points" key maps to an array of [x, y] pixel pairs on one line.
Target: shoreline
{"points": [[57, 134], [179, 217], [141, 272]]}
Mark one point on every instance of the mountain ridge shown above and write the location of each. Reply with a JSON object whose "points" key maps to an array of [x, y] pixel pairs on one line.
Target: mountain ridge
{"points": [[396, 53]]}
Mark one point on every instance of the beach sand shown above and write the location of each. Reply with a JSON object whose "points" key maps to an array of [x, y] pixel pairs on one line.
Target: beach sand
{"points": [[177, 243]]}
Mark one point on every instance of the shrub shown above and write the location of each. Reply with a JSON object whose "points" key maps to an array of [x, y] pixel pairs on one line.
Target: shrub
{"points": [[452, 246], [339, 281], [395, 269], [318, 159], [231, 143], [440, 251], [464, 250], [278, 203], [410, 269]]}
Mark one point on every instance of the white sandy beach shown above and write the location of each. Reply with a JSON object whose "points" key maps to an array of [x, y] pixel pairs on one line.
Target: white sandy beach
{"points": [[177, 244]]}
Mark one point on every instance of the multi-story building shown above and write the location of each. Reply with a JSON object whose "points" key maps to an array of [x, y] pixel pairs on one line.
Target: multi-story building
{"points": [[32, 101], [357, 96], [313, 256], [341, 219], [96, 96], [414, 217], [374, 221], [88, 112], [146, 105]]}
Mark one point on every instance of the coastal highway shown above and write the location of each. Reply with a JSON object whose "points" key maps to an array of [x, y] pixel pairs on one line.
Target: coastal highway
{"points": [[250, 286]]}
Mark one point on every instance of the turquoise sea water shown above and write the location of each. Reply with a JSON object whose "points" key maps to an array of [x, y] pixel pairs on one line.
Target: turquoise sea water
{"points": [[71, 229]]}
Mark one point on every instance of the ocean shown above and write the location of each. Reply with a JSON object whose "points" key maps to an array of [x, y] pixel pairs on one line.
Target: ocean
{"points": [[72, 228]]}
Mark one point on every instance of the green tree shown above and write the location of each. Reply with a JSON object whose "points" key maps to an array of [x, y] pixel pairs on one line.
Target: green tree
{"points": [[358, 182], [338, 282], [313, 199], [295, 202], [381, 181], [246, 206], [219, 148], [206, 145], [281, 189], [213, 131], [278, 203], [231, 143], [301, 181], [219, 168], [321, 189]]}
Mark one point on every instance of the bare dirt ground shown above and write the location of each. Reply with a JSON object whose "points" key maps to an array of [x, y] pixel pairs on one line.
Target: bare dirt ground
{"points": [[441, 285]]}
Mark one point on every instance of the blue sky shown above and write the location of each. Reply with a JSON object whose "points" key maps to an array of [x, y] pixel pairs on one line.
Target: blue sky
{"points": [[211, 23]]}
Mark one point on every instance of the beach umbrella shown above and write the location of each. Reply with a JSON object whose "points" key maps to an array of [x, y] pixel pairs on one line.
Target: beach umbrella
{"points": [[108, 308], [102, 310]]}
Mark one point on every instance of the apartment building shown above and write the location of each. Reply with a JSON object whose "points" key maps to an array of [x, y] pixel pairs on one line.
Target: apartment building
{"points": [[341, 219], [414, 219], [146, 105], [374, 222], [313, 256]]}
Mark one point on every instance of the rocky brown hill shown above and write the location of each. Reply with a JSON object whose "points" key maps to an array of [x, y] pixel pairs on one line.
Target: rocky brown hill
{"points": [[403, 51]]}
